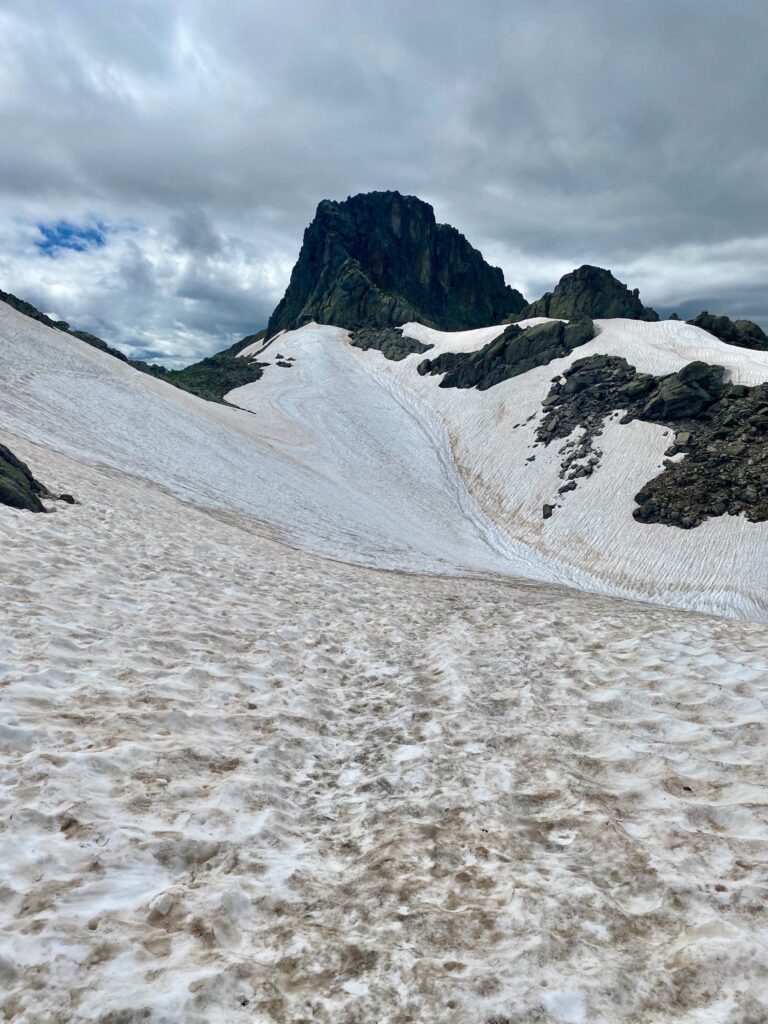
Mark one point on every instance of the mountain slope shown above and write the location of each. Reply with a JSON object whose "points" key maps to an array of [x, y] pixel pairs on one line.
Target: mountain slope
{"points": [[246, 781], [380, 259], [592, 536], [357, 456], [397, 505], [90, 339]]}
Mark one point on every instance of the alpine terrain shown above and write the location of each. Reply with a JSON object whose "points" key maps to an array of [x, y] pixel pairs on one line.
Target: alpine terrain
{"points": [[404, 662]]}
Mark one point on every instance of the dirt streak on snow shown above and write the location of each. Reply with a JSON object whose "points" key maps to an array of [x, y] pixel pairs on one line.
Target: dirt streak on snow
{"points": [[244, 783]]}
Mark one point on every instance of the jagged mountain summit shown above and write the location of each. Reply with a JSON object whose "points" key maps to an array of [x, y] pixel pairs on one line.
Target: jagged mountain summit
{"points": [[380, 259], [590, 291]]}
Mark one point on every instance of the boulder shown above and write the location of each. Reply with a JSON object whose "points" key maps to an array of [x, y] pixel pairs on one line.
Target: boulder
{"points": [[18, 488], [686, 394]]}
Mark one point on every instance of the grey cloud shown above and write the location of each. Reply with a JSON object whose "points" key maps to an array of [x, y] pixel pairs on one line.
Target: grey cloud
{"points": [[550, 133], [193, 232]]}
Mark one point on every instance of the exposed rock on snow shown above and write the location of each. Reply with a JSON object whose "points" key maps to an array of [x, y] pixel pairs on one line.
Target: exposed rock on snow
{"points": [[515, 351], [721, 428], [743, 333], [380, 259], [214, 376], [593, 292], [18, 488], [387, 340]]}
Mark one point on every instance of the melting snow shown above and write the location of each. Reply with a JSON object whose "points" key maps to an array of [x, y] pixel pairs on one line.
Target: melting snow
{"points": [[245, 782]]}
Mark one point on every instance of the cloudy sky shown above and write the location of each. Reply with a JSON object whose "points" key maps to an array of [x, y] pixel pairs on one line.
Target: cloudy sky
{"points": [[161, 158]]}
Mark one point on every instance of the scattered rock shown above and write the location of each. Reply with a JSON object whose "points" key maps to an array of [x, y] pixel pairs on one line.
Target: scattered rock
{"points": [[743, 333], [721, 429]]}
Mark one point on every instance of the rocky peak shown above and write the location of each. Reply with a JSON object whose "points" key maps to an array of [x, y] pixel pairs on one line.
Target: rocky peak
{"points": [[380, 259], [593, 292]]}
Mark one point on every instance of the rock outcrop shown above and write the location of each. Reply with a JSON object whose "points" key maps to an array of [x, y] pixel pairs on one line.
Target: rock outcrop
{"points": [[718, 436], [389, 341], [743, 333], [515, 351], [379, 260], [18, 488], [214, 376], [593, 292]]}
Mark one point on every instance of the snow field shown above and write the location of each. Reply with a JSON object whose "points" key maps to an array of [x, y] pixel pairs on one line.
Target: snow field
{"points": [[242, 782]]}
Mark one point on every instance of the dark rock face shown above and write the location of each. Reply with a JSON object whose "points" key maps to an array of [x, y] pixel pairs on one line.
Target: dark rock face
{"points": [[515, 351], [379, 260], [389, 341], [721, 428], [743, 333], [593, 292], [18, 488]]}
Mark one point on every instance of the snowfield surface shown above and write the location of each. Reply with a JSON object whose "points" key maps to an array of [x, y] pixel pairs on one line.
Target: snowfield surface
{"points": [[592, 540], [250, 777], [244, 783], [406, 508]]}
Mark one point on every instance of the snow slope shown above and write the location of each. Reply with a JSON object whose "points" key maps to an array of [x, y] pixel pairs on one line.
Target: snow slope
{"points": [[402, 506], [721, 566], [353, 456], [246, 785]]}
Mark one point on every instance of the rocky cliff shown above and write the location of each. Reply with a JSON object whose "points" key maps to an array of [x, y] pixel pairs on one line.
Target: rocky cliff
{"points": [[380, 259], [593, 292]]}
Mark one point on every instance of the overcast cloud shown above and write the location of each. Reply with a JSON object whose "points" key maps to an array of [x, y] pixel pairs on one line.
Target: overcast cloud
{"points": [[161, 159]]}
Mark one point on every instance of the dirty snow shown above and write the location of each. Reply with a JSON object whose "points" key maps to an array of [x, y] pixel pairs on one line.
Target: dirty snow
{"points": [[246, 782]]}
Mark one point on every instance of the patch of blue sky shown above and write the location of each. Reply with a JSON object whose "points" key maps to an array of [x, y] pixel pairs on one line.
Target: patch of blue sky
{"points": [[62, 234]]}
